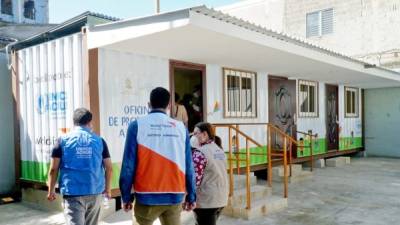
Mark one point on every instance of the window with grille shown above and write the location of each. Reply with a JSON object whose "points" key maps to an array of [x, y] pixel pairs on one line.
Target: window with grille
{"points": [[240, 93], [319, 23], [6, 7], [308, 98], [351, 102]]}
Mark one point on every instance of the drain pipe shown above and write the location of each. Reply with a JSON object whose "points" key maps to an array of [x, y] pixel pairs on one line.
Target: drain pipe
{"points": [[7, 52], [157, 3]]}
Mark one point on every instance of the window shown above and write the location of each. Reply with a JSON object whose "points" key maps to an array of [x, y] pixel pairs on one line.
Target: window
{"points": [[6, 7], [29, 9], [319, 23], [351, 102], [308, 98], [240, 93]]}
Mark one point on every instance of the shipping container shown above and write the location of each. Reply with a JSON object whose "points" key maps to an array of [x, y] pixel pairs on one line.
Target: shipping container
{"points": [[50, 88]]}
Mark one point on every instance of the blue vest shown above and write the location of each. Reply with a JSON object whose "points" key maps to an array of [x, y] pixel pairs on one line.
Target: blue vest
{"points": [[81, 166]]}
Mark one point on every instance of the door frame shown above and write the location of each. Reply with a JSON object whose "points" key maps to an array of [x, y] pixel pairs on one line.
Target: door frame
{"points": [[174, 64], [326, 117]]}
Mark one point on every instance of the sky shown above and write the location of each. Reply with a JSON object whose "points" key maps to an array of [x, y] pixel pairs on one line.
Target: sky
{"points": [[62, 10]]}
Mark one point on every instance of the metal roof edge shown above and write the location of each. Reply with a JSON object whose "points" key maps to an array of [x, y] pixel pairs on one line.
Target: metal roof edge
{"points": [[70, 26], [184, 11]]}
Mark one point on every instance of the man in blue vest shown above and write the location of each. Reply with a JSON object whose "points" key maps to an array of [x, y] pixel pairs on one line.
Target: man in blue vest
{"points": [[85, 167]]}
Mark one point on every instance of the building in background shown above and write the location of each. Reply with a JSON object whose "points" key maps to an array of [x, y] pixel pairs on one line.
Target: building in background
{"points": [[24, 11], [367, 30], [363, 29], [19, 20]]}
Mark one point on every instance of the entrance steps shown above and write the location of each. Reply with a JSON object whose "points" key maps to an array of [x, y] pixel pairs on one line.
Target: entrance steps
{"points": [[298, 174], [337, 161], [262, 200]]}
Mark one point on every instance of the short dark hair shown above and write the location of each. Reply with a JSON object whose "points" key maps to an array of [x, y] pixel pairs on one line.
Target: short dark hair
{"points": [[159, 98], [177, 97], [82, 117]]}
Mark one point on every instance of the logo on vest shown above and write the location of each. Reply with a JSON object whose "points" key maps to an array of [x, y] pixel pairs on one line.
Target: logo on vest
{"points": [[84, 150], [84, 140]]}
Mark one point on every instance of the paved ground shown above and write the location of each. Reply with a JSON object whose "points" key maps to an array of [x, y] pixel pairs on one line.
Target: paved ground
{"points": [[365, 192]]}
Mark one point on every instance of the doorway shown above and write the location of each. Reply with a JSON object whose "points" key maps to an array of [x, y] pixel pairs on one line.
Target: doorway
{"points": [[332, 121], [188, 91], [282, 108]]}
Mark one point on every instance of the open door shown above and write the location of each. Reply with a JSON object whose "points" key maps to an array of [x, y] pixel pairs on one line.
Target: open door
{"points": [[188, 90], [332, 114], [282, 107]]}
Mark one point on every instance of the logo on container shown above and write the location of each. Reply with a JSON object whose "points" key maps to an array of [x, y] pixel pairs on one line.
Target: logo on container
{"points": [[52, 102]]}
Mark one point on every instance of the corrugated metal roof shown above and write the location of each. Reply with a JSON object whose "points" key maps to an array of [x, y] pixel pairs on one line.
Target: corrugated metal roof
{"points": [[275, 34], [102, 16], [68, 27]]}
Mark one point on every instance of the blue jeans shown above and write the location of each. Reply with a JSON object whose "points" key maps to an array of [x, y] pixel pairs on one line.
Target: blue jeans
{"points": [[82, 210]]}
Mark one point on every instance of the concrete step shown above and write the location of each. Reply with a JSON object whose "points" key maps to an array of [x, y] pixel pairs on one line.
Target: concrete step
{"points": [[278, 171], [299, 177], [318, 163], [337, 161], [239, 197], [38, 199], [239, 181], [260, 208]]}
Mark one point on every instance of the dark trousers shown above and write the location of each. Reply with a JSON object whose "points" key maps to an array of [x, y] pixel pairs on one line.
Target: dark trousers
{"points": [[207, 216]]}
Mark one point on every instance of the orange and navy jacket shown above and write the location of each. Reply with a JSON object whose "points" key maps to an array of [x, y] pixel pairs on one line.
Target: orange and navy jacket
{"points": [[157, 162]]}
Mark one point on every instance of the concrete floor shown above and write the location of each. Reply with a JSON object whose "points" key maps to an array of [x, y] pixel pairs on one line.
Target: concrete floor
{"points": [[365, 192]]}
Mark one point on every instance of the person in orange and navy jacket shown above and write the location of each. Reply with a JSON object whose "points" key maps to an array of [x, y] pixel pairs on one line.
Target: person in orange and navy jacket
{"points": [[157, 162]]}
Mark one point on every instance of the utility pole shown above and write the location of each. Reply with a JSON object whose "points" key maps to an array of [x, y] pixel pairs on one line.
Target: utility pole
{"points": [[157, 6]]}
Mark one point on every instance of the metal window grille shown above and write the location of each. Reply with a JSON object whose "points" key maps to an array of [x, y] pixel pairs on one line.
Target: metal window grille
{"points": [[351, 104], [308, 98], [240, 93]]}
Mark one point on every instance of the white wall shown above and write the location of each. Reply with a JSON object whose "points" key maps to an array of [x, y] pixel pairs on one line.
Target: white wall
{"points": [[125, 82], [215, 94], [126, 79], [349, 124], [316, 124]]}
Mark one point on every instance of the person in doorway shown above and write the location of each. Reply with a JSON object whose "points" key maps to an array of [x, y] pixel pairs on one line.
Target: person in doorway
{"points": [[179, 112], [85, 167], [157, 161], [187, 103], [197, 104], [211, 176]]}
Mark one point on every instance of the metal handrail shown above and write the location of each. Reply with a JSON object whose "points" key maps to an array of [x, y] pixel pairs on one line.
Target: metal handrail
{"points": [[247, 160], [311, 136], [288, 140]]}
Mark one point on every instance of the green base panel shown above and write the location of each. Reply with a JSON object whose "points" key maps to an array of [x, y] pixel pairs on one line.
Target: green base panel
{"points": [[319, 147], [348, 143]]}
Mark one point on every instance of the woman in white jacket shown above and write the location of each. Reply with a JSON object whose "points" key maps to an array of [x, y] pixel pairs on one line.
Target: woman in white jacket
{"points": [[211, 175]]}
